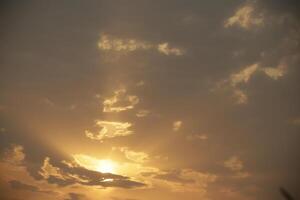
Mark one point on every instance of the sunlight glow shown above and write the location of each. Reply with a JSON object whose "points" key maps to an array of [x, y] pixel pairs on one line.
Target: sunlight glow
{"points": [[106, 166]]}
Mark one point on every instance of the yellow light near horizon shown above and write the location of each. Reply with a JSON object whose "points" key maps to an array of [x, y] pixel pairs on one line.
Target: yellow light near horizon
{"points": [[106, 166]]}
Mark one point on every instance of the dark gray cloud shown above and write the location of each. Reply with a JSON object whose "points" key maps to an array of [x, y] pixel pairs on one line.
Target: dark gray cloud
{"points": [[18, 185], [75, 196]]}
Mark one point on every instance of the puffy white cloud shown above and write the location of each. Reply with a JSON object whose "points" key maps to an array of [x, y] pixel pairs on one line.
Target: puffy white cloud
{"points": [[110, 129], [177, 125], [120, 101], [245, 17]]}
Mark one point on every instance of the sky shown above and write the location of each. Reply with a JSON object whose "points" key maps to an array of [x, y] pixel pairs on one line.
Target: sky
{"points": [[144, 100]]}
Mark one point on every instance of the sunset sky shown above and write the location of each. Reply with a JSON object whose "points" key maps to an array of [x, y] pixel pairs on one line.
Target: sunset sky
{"points": [[149, 100]]}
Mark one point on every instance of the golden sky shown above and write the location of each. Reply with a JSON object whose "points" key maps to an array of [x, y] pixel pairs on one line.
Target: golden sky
{"points": [[144, 100]]}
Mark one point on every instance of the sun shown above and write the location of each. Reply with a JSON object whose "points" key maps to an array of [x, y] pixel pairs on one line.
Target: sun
{"points": [[106, 166]]}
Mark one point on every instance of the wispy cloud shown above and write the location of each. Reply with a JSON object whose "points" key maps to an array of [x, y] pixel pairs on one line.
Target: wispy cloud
{"points": [[276, 72], [14, 154], [135, 156], [197, 137], [177, 125], [142, 113], [110, 129], [111, 43], [243, 76], [167, 50], [236, 165], [184, 180], [245, 17], [120, 101]]}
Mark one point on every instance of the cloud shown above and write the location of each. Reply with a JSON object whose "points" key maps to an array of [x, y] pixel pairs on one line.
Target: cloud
{"points": [[76, 174], [240, 96], [140, 83], [237, 166], [18, 185], [14, 154], [245, 17], [108, 42], [120, 101], [184, 180], [48, 170], [167, 50], [138, 157], [242, 77], [142, 113], [110, 129], [234, 164], [235, 79], [75, 196], [177, 125], [197, 137], [276, 72], [111, 43]]}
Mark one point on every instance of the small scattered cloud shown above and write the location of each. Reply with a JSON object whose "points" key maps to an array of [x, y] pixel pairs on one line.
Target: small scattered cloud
{"points": [[135, 156], [245, 17], [120, 101], [237, 166], [243, 76], [165, 48], [197, 137], [177, 125], [142, 113], [14, 154], [108, 42], [111, 43], [234, 164], [140, 83], [240, 96], [276, 72], [110, 129]]}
